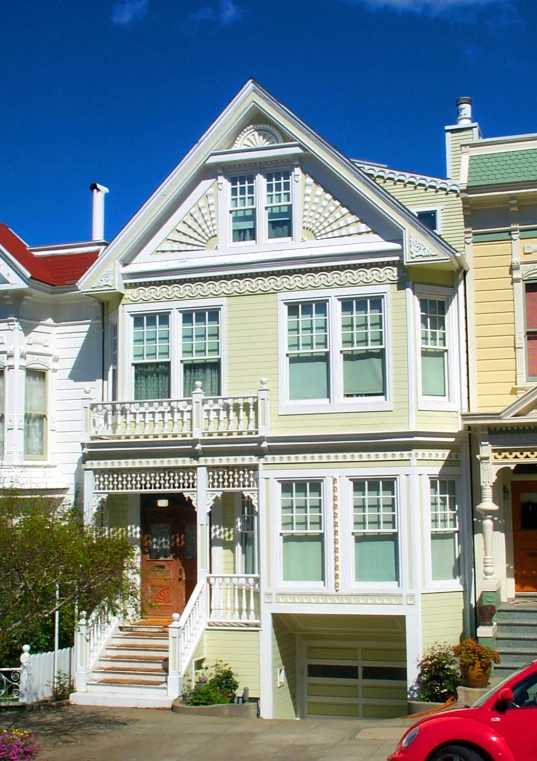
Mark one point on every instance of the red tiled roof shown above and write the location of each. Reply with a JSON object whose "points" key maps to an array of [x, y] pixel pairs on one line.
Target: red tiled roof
{"points": [[59, 269]]}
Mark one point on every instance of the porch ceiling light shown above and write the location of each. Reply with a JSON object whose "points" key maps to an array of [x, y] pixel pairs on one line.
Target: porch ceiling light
{"points": [[162, 503]]}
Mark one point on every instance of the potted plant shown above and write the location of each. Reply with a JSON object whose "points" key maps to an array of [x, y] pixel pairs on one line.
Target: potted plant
{"points": [[438, 678], [475, 661]]}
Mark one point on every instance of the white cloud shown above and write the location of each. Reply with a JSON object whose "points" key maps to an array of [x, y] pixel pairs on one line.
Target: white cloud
{"points": [[432, 7], [127, 11], [224, 12]]}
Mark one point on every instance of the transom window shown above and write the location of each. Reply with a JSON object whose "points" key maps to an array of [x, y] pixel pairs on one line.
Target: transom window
{"points": [[375, 531], [302, 530], [434, 347], [261, 206], [444, 529], [336, 349], [173, 350]]}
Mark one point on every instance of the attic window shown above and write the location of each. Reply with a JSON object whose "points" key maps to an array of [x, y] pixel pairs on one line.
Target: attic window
{"points": [[429, 218], [257, 136]]}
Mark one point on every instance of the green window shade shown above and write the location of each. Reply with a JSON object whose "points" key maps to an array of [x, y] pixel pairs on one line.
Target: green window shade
{"points": [[279, 222], [152, 380], [376, 557], [243, 225], [308, 376], [444, 556], [433, 373], [303, 557], [363, 373], [206, 372]]}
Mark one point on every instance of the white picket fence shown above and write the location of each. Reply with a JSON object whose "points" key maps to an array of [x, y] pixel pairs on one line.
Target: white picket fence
{"points": [[33, 679]]}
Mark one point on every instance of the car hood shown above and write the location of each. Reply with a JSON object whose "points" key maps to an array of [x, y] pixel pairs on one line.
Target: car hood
{"points": [[457, 713]]}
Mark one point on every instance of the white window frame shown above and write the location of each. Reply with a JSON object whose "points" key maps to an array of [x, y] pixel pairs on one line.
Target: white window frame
{"points": [[451, 400], [402, 544], [174, 309], [239, 532], [437, 210], [261, 216], [451, 585], [33, 366], [337, 402], [326, 532]]}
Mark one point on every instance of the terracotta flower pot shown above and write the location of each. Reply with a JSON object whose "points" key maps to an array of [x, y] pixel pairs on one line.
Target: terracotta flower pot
{"points": [[475, 675]]}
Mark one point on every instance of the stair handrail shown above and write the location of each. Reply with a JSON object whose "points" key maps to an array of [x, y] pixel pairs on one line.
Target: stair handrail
{"points": [[185, 632], [92, 635]]}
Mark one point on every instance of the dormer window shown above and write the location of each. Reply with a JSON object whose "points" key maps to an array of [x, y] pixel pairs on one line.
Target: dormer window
{"points": [[261, 206]]}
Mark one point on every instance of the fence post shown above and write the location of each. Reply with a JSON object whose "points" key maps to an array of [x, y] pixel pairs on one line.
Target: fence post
{"points": [[174, 658], [263, 413], [25, 684], [82, 653]]}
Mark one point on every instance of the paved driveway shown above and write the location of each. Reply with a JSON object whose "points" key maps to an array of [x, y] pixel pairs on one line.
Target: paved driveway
{"points": [[77, 733]]}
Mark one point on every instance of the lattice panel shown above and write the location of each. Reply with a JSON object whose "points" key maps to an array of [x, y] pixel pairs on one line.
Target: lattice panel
{"points": [[325, 217], [232, 478], [150, 479], [195, 230]]}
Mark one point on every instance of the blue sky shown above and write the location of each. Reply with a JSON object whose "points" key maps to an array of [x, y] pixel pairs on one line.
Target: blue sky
{"points": [[116, 91]]}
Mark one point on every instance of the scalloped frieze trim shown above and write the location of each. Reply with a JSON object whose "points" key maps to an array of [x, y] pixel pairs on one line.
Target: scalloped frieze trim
{"points": [[195, 230], [263, 284], [325, 217], [519, 455], [374, 457], [417, 180], [257, 136], [328, 599]]}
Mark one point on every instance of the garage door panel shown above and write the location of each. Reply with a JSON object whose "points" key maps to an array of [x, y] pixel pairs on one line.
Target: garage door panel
{"points": [[382, 691], [337, 710], [377, 711], [334, 690], [343, 653]]}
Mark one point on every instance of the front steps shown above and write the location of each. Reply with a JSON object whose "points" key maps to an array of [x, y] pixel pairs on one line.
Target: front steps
{"points": [[131, 672], [516, 636]]}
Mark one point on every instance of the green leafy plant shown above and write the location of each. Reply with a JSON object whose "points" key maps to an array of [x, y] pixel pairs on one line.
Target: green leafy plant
{"points": [[471, 652], [214, 686], [438, 675], [61, 688]]}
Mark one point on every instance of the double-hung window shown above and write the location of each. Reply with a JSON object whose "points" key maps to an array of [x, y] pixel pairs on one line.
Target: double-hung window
{"points": [[261, 206], [200, 353], [434, 348], [335, 352], [376, 553], [151, 356], [302, 531], [35, 414], [531, 329], [444, 530]]}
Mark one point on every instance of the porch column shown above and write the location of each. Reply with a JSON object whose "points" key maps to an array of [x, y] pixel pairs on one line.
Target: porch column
{"points": [[487, 508], [202, 508]]}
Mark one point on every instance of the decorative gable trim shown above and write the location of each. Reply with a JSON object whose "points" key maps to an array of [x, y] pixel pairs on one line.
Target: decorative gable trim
{"points": [[418, 252], [257, 135], [267, 284], [325, 217], [195, 230], [523, 406]]}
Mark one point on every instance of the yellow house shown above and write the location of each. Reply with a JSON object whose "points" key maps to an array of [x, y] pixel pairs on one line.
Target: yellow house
{"points": [[280, 424]]}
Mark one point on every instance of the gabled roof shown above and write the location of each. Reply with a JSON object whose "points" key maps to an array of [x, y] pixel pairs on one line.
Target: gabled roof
{"points": [[56, 270], [253, 104], [523, 411]]}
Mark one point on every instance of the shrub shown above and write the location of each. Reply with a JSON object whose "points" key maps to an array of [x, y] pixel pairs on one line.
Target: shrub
{"points": [[17, 745], [61, 688], [438, 676], [216, 686], [469, 652]]}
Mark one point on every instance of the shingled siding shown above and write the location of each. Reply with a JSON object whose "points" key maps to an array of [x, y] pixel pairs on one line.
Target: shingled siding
{"points": [[499, 168]]}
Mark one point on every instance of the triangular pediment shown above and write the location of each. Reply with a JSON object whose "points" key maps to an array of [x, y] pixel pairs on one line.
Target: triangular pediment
{"points": [[524, 406], [339, 204], [13, 276]]}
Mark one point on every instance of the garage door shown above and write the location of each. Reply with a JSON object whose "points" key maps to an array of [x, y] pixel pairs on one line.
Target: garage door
{"points": [[345, 680]]}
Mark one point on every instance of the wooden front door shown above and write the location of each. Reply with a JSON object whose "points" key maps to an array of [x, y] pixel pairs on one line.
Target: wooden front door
{"points": [[169, 554], [525, 535]]}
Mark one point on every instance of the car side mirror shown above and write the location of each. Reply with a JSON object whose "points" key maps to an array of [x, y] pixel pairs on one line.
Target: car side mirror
{"points": [[505, 697]]}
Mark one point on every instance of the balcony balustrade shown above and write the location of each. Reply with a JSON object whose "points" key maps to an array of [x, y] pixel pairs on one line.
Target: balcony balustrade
{"points": [[234, 598], [196, 417]]}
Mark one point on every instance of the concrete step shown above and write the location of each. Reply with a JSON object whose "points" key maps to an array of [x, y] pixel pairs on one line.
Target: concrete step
{"points": [[122, 699], [516, 655], [127, 682], [506, 668], [520, 627]]}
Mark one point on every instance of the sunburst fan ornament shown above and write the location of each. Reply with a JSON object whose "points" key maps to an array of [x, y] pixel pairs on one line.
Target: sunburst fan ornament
{"points": [[325, 217], [195, 230]]}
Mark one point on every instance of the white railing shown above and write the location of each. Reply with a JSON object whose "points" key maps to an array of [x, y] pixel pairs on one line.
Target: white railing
{"points": [[185, 633], [34, 679], [196, 417], [91, 637], [234, 597]]}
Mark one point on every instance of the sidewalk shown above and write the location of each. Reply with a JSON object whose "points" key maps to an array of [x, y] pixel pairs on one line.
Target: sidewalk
{"points": [[77, 733]]}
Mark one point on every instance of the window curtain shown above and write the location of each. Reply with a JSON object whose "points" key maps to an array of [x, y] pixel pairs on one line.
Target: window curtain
{"points": [[303, 557], [376, 557], [363, 373], [152, 380], [444, 555], [35, 410], [206, 372], [433, 373]]}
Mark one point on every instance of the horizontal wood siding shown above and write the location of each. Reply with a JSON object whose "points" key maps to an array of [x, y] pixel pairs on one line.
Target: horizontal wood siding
{"points": [[442, 617], [494, 325], [283, 655], [239, 648]]}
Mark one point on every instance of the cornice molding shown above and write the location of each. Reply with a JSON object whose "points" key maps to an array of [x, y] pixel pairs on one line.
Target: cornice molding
{"points": [[263, 284], [407, 178]]}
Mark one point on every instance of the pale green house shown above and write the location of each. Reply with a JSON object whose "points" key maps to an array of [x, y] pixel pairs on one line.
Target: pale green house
{"points": [[280, 423]]}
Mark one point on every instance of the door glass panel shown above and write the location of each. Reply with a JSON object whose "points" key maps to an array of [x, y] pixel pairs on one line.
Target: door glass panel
{"points": [[190, 541], [161, 541], [528, 511]]}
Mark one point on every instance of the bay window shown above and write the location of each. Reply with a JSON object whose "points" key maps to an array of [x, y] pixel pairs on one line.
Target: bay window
{"points": [[376, 554], [35, 414], [444, 530], [308, 350], [200, 354], [301, 530], [151, 356], [434, 347], [362, 342]]}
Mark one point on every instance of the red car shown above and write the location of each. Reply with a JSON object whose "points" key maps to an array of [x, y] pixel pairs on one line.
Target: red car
{"points": [[500, 726]]}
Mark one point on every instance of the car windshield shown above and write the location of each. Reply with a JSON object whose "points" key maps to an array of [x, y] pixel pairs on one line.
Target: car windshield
{"points": [[496, 688]]}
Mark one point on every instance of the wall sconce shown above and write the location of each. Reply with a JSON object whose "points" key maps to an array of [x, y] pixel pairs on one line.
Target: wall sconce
{"points": [[505, 493], [166, 502]]}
